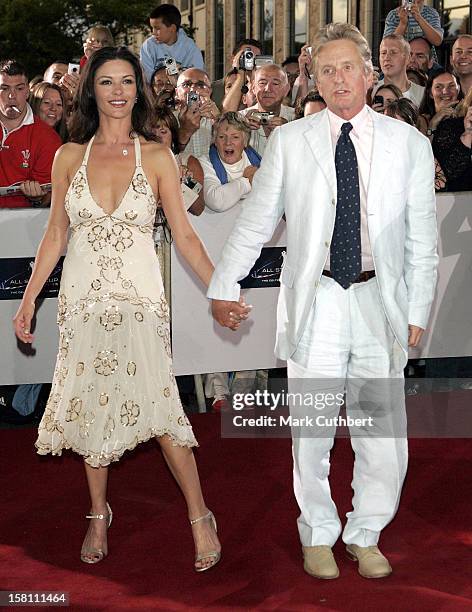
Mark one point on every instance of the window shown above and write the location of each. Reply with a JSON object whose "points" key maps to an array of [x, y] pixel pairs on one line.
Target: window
{"points": [[455, 17], [298, 25], [267, 25], [184, 5], [240, 16], [219, 38], [199, 2], [381, 10], [337, 11]]}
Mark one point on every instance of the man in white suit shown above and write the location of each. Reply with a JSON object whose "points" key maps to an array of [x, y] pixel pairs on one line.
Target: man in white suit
{"points": [[357, 190]]}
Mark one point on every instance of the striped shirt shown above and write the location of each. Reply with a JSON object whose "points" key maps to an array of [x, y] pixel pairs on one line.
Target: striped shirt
{"points": [[413, 29]]}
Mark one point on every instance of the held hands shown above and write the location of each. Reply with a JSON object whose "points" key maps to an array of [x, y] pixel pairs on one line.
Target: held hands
{"points": [[230, 314], [69, 83], [414, 335], [403, 15], [444, 113], [22, 321], [468, 120]]}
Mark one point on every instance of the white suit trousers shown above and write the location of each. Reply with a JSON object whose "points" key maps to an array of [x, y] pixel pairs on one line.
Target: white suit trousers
{"points": [[347, 340]]}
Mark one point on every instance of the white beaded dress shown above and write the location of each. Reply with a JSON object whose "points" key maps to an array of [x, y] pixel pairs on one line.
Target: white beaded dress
{"points": [[113, 384]]}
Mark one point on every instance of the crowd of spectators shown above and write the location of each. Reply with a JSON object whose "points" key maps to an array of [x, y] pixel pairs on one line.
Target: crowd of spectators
{"points": [[218, 131]]}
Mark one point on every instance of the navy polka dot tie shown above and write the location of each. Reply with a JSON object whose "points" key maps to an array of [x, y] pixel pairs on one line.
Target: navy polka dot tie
{"points": [[345, 251]]}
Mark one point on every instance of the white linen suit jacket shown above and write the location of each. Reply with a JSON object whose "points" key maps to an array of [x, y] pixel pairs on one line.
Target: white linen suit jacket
{"points": [[298, 177]]}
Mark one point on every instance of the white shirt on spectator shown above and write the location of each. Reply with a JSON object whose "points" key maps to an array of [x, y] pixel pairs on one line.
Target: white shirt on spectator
{"points": [[258, 138], [200, 141], [220, 197], [414, 93]]}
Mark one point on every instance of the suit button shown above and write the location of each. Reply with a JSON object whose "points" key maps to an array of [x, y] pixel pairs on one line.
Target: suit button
{"points": [[327, 245], [317, 283], [333, 202]]}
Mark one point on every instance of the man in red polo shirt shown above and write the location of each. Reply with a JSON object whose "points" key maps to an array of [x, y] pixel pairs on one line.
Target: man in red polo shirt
{"points": [[27, 145]]}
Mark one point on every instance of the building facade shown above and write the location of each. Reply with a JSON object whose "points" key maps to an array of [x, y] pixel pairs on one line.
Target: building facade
{"points": [[284, 26]]}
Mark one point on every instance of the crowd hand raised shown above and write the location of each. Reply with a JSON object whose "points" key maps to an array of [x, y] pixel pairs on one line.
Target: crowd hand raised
{"points": [[209, 109], [304, 60], [22, 322], [253, 121], [403, 15], [189, 117], [276, 122], [32, 189], [230, 314], [249, 172], [70, 82], [415, 11], [447, 111]]}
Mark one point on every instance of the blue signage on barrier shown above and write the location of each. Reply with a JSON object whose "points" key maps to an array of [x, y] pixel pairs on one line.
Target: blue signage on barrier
{"points": [[266, 270], [15, 273]]}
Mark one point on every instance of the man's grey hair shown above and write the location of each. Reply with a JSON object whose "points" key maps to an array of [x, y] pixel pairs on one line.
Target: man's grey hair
{"points": [[236, 120], [342, 31], [404, 44], [272, 68]]}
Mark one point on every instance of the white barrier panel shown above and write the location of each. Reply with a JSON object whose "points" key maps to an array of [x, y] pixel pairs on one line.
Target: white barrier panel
{"points": [[20, 233], [199, 344]]}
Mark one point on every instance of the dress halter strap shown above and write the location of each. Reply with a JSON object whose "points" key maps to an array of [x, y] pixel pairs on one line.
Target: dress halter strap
{"points": [[137, 151], [87, 151]]}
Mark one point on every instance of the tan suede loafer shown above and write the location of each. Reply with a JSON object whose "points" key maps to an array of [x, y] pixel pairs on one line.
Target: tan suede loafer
{"points": [[372, 563], [319, 562]]}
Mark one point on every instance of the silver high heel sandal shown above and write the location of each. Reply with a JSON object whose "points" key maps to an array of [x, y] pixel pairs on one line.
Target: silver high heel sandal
{"points": [[214, 554], [94, 555]]}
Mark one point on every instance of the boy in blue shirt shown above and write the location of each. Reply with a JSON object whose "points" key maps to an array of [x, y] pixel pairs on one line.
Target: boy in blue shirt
{"points": [[168, 39]]}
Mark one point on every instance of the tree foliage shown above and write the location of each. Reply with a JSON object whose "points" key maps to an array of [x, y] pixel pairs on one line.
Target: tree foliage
{"points": [[36, 32]]}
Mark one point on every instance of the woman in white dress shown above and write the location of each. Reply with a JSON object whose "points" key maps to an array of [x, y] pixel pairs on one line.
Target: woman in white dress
{"points": [[113, 384]]}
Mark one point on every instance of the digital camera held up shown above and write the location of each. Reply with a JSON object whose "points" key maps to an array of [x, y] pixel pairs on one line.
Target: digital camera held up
{"points": [[171, 66], [193, 99], [264, 117], [246, 60]]}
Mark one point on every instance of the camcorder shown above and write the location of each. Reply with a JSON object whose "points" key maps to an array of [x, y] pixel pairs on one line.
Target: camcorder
{"points": [[246, 60], [378, 100], [171, 66], [263, 116]]}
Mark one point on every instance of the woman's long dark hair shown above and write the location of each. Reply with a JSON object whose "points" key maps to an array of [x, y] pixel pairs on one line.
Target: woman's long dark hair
{"points": [[84, 121], [427, 104]]}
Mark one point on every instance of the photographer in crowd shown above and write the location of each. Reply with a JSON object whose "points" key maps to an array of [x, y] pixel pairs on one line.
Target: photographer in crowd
{"points": [[28, 145], [394, 56], [168, 39], [55, 71], [383, 96], [412, 19], [243, 63], [461, 60], [439, 102], [197, 111], [270, 86], [163, 87]]}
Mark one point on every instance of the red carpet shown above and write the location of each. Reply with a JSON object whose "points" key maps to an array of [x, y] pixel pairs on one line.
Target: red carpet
{"points": [[248, 485]]}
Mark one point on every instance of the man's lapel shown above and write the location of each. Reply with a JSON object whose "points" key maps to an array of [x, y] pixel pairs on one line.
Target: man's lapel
{"points": [[382, 150], [318, 136]]}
